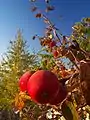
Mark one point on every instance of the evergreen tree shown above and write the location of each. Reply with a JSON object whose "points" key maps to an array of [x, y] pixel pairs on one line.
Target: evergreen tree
{"points": [[16, 61]]}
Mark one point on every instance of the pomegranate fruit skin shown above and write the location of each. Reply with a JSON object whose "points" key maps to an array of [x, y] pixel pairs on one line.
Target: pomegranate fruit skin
{"points": [[23, 81], [42, 86], [61, 95]]}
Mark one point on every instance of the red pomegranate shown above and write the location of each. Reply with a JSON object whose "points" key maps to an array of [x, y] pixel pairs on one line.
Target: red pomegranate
{"points": [[61, 95], [23, 81], [42, 86]]}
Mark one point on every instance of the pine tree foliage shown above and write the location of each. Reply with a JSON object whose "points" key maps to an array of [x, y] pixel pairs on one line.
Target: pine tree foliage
{"points": [[16, 61]]}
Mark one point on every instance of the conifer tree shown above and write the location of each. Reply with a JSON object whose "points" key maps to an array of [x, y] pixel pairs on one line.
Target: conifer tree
{"points": [[16, 61]]}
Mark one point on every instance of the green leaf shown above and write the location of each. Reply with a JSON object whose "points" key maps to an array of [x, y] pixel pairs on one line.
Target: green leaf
{"points": [[69, 111]]}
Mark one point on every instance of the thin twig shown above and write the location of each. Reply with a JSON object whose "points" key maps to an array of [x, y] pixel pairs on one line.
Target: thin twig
{"points": [[53, 27]]}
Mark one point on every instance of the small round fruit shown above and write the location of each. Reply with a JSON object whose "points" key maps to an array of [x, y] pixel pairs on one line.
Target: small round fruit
{"points": [[52, 44], [23, 81], [42, 86], [61, 95], [55, 53]]}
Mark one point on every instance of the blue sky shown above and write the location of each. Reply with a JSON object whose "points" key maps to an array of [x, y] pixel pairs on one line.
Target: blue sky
{"points": [[15, 14]]}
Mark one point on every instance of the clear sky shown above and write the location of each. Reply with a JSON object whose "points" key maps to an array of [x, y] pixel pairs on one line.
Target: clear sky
{"points": [[15, 14]]}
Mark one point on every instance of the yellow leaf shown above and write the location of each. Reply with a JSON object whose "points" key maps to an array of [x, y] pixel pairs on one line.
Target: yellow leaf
{"points": [[50, 36]]}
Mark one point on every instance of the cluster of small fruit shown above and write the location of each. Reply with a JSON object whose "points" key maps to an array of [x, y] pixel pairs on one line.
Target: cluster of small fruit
{"points": [[43, 87]]}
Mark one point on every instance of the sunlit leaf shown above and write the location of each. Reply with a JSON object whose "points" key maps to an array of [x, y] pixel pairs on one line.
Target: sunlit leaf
{"points": [[69, 111], [50, 36]]}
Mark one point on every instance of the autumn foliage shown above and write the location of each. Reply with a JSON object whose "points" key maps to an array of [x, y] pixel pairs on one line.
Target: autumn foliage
{"points": [[65, 83]]}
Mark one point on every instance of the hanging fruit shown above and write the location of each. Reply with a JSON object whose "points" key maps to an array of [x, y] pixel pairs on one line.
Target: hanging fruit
{"points": [[23, 81], [61, 95], [42, 86]]}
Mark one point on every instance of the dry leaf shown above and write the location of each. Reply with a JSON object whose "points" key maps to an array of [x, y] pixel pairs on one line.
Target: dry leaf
{"points": [[33, 37], [85, 79], [47, 1], [38, 15], [34, 9], [49, 8]]}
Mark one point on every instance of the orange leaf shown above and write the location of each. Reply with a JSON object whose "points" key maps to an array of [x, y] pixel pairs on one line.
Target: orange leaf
{"points": [[19, 101], [64, 73]]}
